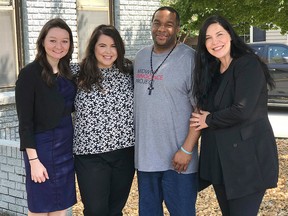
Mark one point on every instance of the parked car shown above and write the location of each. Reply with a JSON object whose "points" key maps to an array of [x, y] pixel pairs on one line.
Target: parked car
{"points": [[275, 55]]}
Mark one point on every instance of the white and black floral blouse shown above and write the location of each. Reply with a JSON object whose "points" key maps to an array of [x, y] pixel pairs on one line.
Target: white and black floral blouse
{"points": [[104, 120]]}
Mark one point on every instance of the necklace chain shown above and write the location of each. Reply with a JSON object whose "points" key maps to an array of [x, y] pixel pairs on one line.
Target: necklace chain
{"points": [[150, 88]]}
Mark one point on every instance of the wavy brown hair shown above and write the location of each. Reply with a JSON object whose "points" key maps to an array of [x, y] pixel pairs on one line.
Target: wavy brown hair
{"points": [[63, 65], [89, 72]]}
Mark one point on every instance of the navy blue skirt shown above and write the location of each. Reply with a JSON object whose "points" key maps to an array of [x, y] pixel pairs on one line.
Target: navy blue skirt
{"points": [[54, 149]]}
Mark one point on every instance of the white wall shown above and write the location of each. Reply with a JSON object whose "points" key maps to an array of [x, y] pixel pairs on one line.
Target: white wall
{"points": [[276, 36], [133, 21]]}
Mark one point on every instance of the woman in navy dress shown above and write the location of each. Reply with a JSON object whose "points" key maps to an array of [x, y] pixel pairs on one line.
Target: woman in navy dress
{"points": [[45, 96]]}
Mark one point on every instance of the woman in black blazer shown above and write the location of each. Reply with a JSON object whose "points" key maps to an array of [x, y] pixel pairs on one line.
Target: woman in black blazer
{"points": [[44, 100], [238, 150]]}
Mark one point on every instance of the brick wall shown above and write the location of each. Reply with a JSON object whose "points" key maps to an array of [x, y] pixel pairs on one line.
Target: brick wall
{"points": [[36, 13], [12, 174], [133, 20], [8, 117]]}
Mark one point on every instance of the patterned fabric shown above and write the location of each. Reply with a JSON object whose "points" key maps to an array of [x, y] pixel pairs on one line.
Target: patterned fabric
{"points": [[104, 120]]}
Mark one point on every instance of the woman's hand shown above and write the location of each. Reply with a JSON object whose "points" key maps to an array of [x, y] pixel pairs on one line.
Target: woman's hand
{"points": [[39, 173], [198, 120]]}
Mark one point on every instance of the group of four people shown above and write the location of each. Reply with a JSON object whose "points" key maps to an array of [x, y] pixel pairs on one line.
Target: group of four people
{"points": [[170, 97]]}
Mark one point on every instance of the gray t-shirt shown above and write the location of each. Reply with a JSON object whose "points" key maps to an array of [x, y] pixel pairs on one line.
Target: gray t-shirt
{"points": [[162, 118]]}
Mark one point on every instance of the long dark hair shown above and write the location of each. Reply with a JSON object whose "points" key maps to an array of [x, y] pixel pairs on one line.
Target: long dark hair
{"points": [[205, 63], [89, 71], [63, 65]]}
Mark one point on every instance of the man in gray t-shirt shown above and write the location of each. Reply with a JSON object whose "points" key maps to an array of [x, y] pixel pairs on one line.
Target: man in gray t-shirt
{"points": [[166, 155]]}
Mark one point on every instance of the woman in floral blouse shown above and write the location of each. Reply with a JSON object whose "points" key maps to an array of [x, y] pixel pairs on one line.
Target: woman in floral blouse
{"points": [[104, 132]]}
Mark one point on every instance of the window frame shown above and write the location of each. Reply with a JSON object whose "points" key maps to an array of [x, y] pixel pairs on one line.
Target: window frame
{"points": [[15, 7], [81, 8]]}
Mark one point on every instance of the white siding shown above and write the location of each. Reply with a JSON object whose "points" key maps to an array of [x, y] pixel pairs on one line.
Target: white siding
{"points": [[275, 36]]}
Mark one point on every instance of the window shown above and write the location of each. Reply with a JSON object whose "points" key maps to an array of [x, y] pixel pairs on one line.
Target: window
{"points": [[8, 43], [91, 13], [278, 54], [259, 50]]}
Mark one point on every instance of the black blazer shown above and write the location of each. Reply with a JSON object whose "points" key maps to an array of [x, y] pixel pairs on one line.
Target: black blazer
{"points": [[39, 107], [240, 125]]}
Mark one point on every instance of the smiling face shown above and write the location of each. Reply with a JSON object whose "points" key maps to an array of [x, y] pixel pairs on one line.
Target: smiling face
{"points": [[105, 51], [218, 42], [56, 44], [164, 30]]}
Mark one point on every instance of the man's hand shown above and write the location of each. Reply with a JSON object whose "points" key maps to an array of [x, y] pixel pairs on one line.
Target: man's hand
{"points": [[181, 161]]}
